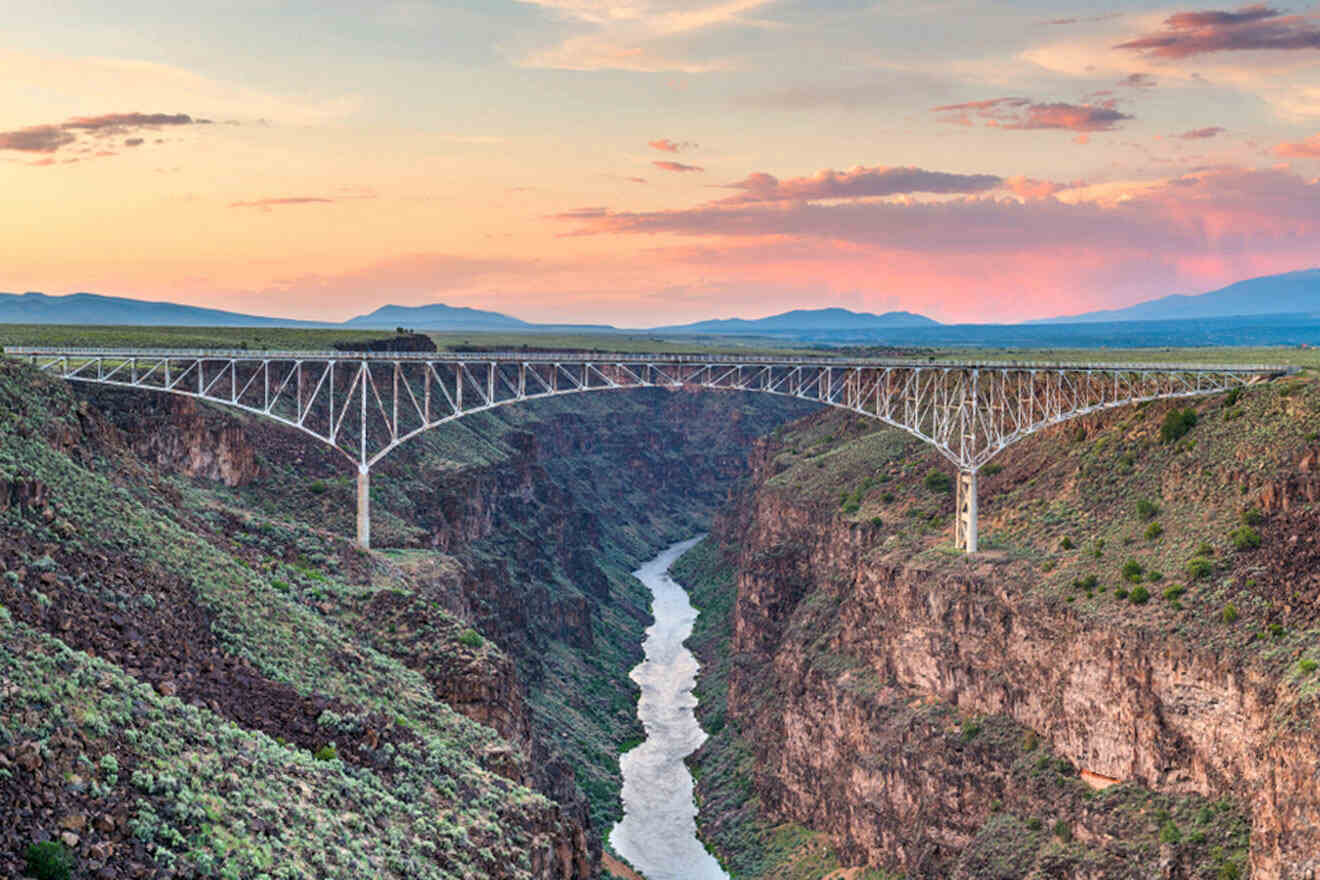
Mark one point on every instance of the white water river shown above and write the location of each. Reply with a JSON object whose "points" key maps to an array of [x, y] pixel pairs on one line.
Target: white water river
{"points": [[658, 832]]}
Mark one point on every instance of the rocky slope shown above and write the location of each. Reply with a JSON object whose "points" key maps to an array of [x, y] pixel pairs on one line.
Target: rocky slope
{"points": [[196, 638], [1121, 686]]}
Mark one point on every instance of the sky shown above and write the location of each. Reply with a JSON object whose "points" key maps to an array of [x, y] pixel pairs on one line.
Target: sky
{"points": [[646, 162]]}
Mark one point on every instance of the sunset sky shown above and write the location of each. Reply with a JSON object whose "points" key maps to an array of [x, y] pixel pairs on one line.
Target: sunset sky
{"points": [[641, 162]]}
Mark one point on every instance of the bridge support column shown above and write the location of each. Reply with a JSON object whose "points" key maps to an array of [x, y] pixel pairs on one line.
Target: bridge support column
{"points": [[364, 507], [965, 530]]}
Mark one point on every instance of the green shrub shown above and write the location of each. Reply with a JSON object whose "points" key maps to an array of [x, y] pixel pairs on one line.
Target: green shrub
{"points": [[938, 481], [851, 507], [991, 469], [1198, 569], [1063, 831], [1154, 576], [1176, 424], [1140, 596], [887, 497], [1169, 833], [1034, 823], [1229, 614], [1276, 630], [1244, 538], [1120, 592], [1232, 397], [49, 860], [1132, 570], [1307, 665], [327, 753], [1087, 583], [877, 521], [1147, 509], [1153, 531], [1205, 548], [1252, 517], [970, 728], [471, 638], [318, 487], [1066, 543]]}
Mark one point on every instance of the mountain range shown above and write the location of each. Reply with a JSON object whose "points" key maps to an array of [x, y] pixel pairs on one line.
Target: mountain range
{"points": [[1283, 304]]}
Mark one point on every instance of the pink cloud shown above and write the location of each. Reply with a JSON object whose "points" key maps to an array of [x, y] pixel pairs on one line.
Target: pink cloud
{"points": [[861, 182], [677, 166], [1307, 149], [37, 139], [1253, 27], [1202, 133], [267, 204], [50, 138], [665, 145], [1021, 114]]}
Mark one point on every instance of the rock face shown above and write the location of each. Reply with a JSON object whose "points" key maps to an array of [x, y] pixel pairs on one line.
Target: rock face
{"points": [[1127, 704]]}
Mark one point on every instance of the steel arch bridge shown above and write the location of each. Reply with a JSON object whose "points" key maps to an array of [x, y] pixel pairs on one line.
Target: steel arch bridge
{"points": [[365, 404]]}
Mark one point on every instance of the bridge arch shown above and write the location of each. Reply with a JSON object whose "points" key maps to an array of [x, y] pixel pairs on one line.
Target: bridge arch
{"points": [[365, 405]]}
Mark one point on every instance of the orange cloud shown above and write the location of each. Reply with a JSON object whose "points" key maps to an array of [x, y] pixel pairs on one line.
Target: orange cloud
{"points": [[677, 166], [665, 145], [1022, 114], [1307, 149], [1253, 27]]}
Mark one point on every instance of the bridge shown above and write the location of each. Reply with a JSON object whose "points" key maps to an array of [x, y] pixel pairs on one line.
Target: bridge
{"points": [[365, 404]]}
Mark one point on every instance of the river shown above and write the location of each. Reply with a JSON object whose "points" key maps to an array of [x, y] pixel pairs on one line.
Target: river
{"points": [[658, 832]]}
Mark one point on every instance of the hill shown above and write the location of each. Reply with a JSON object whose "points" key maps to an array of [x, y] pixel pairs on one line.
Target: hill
{"points": [[92, 308], [802, 322], [437, 316], [1269, 295]]}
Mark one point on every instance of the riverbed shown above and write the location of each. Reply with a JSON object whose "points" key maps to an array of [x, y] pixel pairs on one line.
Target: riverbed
{"points": [[658, 832]]}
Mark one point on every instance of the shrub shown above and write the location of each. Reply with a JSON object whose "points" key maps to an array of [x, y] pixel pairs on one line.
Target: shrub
{"points": [[886, 497], [1232, 397], [1200, 568], [49, 860], [318, 487], [991, 469], [1153, 531], [938, 481], [1154, 576], [877, 521], [1063, 831], [970, 728], [1034, 823], [1205, 548], [327, 753], [1120, 592], [1087, 583], [471, 638], [1252, 517], [1132, 570], [851, 507], [1244, 538], [1176, 424], [1066, 543], [1276, 630], [1140, 596], [1169, 833], [1147, 509], [1174, 592], [1307, 665], [1229, 614]]}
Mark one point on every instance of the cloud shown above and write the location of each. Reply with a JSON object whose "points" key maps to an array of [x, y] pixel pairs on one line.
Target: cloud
{"points": [[50, 138], [1138, 81], [665, 145], [1202, 133], [1307, 149], [637, 35], [118, 123], [267, 204], [861, 182], [37, 139], [1257, 27], [1022, 114], [676, 166]]}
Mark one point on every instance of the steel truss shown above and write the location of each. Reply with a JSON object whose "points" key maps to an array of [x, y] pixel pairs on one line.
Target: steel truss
{"points": [[367, 404]]}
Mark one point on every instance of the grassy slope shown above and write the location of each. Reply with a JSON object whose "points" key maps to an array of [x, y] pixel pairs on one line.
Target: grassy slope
{"points": [[205, 793]]}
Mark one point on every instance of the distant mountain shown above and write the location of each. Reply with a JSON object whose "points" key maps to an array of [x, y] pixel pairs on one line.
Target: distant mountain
{"points": [[1293, 292], [437, 317], [91, 308], [805, 322]]}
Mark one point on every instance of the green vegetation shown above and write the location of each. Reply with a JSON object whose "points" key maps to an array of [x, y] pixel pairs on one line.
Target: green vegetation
{"points": [[1139, 595], [471, 638], [1147, 509], [1176, 424], [1244, 538], [938, 481], [49, 860]]}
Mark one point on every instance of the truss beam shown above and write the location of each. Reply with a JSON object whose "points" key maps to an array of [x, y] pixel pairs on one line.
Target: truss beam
{"points": [[367, 404]]}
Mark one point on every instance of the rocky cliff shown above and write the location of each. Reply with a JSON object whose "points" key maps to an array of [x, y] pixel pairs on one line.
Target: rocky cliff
{"points": [[509, 593], [1118, 687]]}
